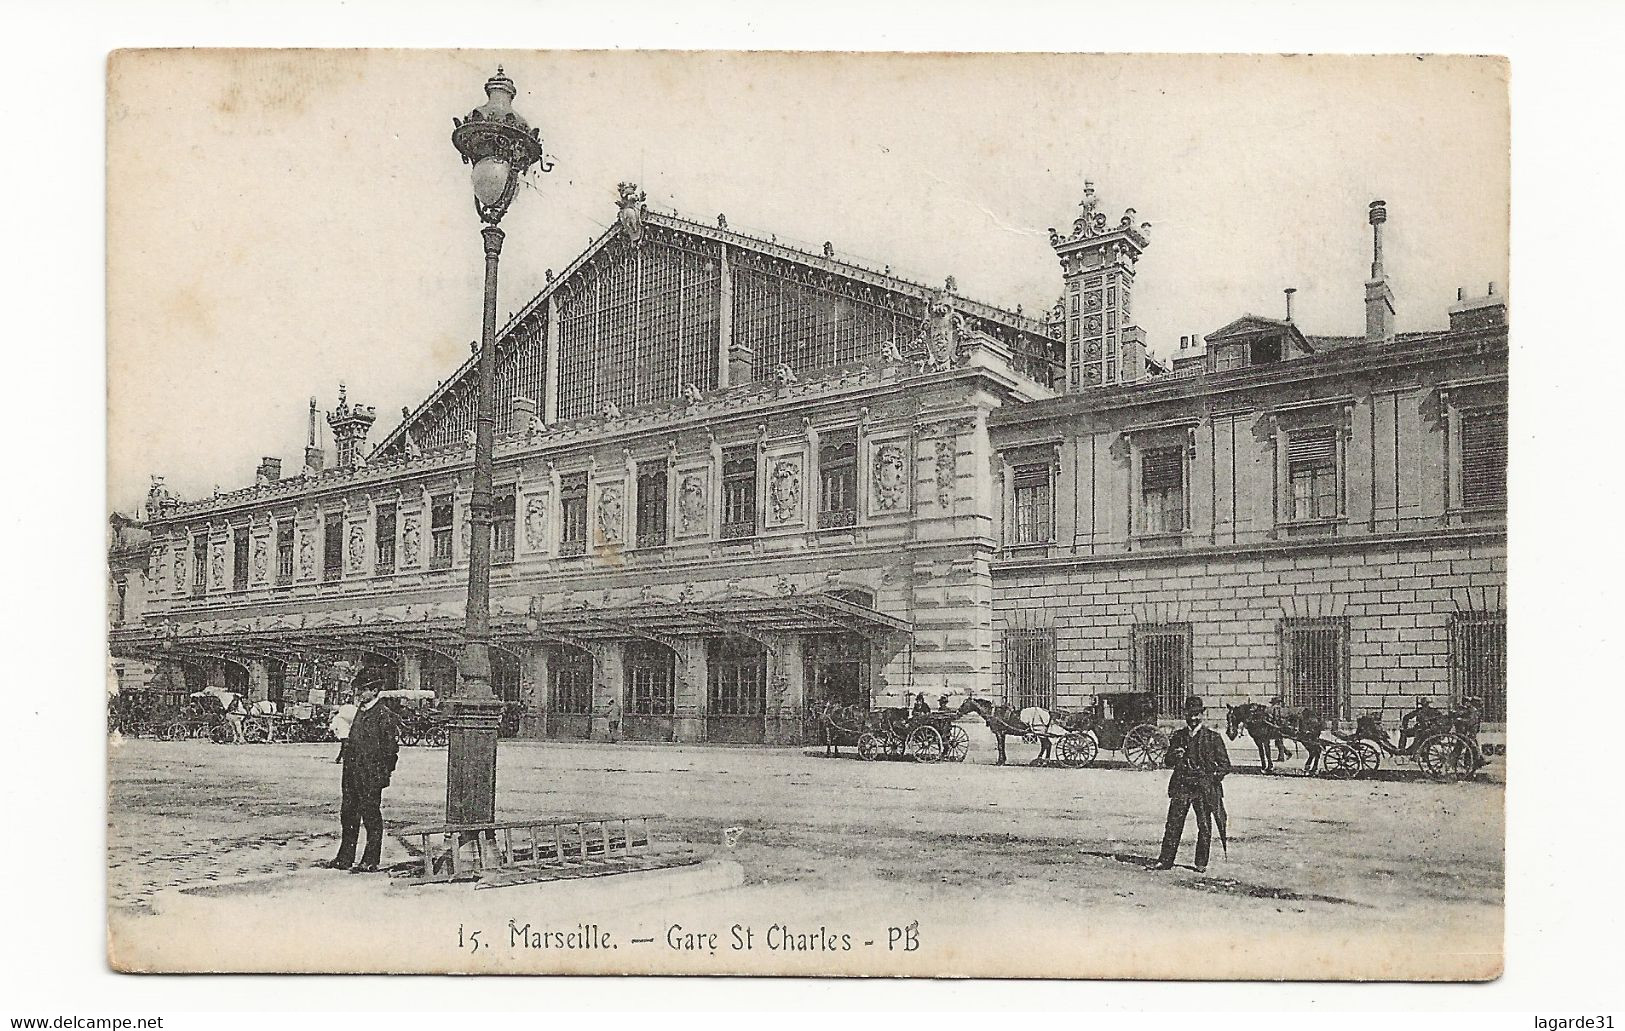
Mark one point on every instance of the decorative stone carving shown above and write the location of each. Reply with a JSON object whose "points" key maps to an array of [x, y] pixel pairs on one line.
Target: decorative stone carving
{"points": [[180, 568], [411, 542], [611, 512], [944, 330], [467, 532], [890, 478], [307, 554], [630, 202], [692, 503], [535, 523], [217, 565], [946, 454], [261, 559], [784, 490], [358, 545]]}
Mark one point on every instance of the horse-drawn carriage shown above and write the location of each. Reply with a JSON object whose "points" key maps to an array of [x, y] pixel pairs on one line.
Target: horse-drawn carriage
{"points": [[1443, 742], [203, 716], [898, 733], [1124, 723]]}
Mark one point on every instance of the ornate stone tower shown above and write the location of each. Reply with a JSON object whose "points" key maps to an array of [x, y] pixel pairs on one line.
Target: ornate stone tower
{"points": [[1097, 261], [350, 426]]}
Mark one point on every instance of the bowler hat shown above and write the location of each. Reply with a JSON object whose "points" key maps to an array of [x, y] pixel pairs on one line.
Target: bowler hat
{"points": [[1194, 706]]}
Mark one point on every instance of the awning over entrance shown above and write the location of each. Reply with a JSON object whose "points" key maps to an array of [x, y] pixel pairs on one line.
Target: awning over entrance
{"points": [[239, 640]]}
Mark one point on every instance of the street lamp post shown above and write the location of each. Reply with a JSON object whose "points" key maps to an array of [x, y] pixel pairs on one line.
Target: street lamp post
{"points": [[501, 147]]}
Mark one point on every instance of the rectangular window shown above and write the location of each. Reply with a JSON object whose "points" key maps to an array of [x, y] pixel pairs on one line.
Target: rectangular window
{"points": [[1484, 458], [570, 693], [440, 516], [1162, 490], [284, 552], [651, 676], [1032, 490], [1314, 666], [739, 492], [200, 564], [1478, 661], [573, 515], [239, 559], [502, 525], [738, 677], [333, 547], [1029, 668], [1162, 663], [1311, 461], [384, 539], [838, 479], [652, 504]]}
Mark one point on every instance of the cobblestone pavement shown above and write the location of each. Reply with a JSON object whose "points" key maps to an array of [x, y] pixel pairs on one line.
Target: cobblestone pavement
{"points": [[1338, 861]]}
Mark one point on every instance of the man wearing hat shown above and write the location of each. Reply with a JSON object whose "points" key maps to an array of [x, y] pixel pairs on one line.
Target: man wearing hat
{"points": [[369, 761], [1199, 760]]}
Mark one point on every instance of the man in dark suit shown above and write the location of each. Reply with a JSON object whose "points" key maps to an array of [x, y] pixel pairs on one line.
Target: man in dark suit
{"points": [[369, 761], [1199, 760]]}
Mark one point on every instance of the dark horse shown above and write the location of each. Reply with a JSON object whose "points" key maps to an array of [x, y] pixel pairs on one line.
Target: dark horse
{"points": [[836, 723], [1003, 720], [1305, 729]]}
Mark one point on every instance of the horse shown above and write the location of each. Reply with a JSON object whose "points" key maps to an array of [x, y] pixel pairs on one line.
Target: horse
{"points": [[1264, 730], [1030, 724], [835, 721]]}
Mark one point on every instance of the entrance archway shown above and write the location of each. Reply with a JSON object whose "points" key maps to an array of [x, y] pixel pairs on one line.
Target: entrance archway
{"points": [[569, 693], [651, 688], [736, 700]]}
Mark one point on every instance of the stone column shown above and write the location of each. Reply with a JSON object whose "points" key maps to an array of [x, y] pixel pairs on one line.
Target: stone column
{"points": [[786, 690], [608, 685], [693, 682], [259, 680], [533, 691], [411, 670]]}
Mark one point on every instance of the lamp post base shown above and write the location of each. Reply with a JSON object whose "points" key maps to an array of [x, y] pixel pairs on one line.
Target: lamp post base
{"points": [[471, 759]]}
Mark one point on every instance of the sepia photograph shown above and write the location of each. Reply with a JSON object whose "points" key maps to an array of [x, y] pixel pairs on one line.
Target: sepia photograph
{"points": [[807, 514]]}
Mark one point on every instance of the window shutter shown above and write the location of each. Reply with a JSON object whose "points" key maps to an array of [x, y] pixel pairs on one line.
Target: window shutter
{"points": [[1162, 468], [1312, 446], [1484, 458]]}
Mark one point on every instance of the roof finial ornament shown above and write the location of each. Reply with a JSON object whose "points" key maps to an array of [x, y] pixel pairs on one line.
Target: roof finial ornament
{"points": [[722, 220], [829, 249], [630, 202]]}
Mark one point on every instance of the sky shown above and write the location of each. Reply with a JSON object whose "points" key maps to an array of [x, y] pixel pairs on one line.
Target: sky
{"points": [[281, 221]]}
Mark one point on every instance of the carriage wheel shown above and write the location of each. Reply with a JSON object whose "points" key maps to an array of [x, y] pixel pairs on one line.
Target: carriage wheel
{"points": [[1145, 747], [437, 737], [1339, 762], [1077, 750], [172, 731], [955, 744], [1370, 756], [257, 732], [868, 746], [924, 744], [220, 734], [1447, 757], [409, 735]]}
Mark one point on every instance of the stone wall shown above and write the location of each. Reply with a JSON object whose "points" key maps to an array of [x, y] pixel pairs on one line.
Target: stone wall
{"points": [[1398, 600]]}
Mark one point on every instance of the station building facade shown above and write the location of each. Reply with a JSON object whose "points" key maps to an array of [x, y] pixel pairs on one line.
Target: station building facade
{"points": [[736, 479]]}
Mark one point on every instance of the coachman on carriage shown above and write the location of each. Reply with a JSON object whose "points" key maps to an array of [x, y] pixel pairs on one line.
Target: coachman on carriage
{"points": [[1124, 723]]}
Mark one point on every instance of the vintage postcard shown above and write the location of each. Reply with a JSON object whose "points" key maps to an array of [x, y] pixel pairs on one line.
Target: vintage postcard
{"points": [[807, 514]]}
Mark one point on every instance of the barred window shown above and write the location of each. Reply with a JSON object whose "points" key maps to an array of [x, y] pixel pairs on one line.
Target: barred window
{"points": [[1032, 489], [440, 515], [651, 676], [1314, 666], [284, 552], [1311, 458], [239, 559], [738, 674], [502, 519], [739, 492], [573, 514], [1484, 458], [652, 478], [333, 546], [1478, 661], [384, 539], [1162, 663], [838, 479], [570, 690], [1029, 667], [1162, 490]]}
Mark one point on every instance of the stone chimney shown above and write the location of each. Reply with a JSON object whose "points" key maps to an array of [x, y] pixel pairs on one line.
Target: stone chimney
{"points": [[350, 426], [1379, 298], [1469, 313], [268, 473], [520, 411], [315, 458]]}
